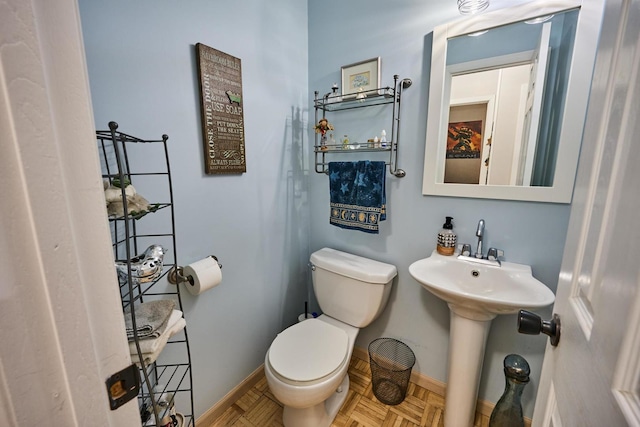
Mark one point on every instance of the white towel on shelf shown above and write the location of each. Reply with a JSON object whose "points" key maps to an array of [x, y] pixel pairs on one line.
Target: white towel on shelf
{"points": [[150, 357], [175, 324], [151, 318]]}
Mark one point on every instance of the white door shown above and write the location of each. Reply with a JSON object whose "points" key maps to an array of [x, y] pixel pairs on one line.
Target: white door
{"points": [[533, 106], [592, 378], [61, 324]]}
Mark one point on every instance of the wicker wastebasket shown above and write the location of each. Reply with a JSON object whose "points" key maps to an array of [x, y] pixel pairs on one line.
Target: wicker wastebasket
{"points": [[391, 362]]}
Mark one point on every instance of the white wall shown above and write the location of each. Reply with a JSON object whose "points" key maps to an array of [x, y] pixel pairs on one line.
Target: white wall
{"points": [[342, 33], [142, 71]]}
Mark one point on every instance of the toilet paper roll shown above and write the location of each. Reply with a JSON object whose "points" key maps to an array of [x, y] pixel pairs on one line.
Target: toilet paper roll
{"points": [[203, 275]]}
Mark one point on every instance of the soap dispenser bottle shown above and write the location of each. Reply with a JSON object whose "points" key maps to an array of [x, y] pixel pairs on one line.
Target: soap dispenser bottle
{"points": [[447, 238]]}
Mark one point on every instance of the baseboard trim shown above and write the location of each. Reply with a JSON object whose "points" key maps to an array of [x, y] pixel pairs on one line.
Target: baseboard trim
{"points": [[230, 398], [433, 385]]}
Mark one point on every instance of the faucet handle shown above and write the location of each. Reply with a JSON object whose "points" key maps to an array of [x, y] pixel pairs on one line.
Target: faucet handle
{"points": [[494, 254], [465, 249]]}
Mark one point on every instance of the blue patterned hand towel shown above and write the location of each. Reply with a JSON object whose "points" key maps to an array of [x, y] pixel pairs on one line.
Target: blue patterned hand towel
{"points": [[357, 194]]}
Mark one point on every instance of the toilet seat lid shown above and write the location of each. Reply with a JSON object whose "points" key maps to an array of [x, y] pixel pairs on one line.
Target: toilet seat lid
{"points": [[308, 350]]}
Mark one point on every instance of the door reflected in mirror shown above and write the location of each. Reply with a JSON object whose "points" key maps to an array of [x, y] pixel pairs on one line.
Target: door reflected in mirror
{"points": [[491, 114], [507, 100]]}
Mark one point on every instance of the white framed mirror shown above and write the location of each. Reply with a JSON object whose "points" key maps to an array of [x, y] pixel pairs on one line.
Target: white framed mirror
{"points": [[507, 101]]}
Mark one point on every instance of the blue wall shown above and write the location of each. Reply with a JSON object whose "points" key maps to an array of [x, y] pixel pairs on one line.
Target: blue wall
{"points": [[142, 71], [342, 33], [263, 224]]}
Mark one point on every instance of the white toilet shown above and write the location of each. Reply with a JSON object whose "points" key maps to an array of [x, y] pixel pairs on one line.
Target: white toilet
{"points": [[306, 365]]}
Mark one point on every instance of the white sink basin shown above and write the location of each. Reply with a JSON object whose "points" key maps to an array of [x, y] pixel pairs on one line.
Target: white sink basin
{"points": [[476, 294], [491, 289]]}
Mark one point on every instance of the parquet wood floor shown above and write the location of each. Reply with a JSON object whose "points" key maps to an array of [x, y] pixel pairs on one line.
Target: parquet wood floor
{"points": [[421, 407]]}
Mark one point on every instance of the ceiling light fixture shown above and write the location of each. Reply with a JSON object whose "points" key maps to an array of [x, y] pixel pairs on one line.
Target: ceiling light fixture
{"points": [[470, 7]]}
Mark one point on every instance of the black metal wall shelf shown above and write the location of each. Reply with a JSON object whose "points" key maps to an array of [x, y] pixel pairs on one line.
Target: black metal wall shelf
{"points": [[335, 103]]}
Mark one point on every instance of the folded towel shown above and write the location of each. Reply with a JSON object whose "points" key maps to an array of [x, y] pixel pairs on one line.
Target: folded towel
{"points": [[151, 351], [149, 345], [357, 194], [168, 324], [149, 317]]}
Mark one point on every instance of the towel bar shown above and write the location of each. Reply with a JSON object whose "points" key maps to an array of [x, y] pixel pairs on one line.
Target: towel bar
{"points": [[398, 173]]}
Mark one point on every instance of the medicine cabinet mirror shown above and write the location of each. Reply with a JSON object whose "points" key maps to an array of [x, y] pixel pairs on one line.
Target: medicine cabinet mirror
{"points": [[507, 101]]}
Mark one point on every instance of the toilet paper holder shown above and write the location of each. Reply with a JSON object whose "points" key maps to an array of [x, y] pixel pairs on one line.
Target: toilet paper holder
{"points": [[176, 275]]}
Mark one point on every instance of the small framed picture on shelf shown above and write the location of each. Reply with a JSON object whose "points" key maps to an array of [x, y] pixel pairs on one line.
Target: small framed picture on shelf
{"points": [[361, 79]]}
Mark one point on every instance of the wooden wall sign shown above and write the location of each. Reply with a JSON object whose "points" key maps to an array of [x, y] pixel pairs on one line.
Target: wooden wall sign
{"points": [[220, 78]]}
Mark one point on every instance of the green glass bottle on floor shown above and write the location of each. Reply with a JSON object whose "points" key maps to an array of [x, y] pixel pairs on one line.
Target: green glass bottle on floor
{"points": [[508, 410]]}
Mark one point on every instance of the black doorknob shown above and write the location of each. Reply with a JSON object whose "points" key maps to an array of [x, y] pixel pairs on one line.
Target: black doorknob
{"points": [[531, 324]]}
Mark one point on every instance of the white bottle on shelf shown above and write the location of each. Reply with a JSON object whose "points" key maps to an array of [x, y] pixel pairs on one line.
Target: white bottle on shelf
{"points": [[383, 138]]}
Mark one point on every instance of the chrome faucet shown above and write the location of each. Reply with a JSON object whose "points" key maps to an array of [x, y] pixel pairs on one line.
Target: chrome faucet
{"points": [[493, 255], [480, 234]]}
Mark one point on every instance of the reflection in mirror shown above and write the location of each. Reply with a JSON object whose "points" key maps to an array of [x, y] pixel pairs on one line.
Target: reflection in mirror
{"points": [[507, 100]]}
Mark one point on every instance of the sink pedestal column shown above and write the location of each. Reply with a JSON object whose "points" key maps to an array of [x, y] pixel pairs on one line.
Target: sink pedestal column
{"points": [[469, 330]]}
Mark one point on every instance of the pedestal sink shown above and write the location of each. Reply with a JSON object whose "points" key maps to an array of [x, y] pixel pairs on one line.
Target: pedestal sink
{"points": [[476, 293]]}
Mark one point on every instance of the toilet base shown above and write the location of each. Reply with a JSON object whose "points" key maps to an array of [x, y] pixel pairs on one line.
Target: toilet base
{"points": [[320, 415]]}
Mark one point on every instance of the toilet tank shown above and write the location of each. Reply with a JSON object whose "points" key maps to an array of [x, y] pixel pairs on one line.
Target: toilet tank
{"points": [[351, 288]]}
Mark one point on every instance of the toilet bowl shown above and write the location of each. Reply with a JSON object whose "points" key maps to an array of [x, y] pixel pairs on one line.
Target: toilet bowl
{"points": [[306, 365], [306, 369]]}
